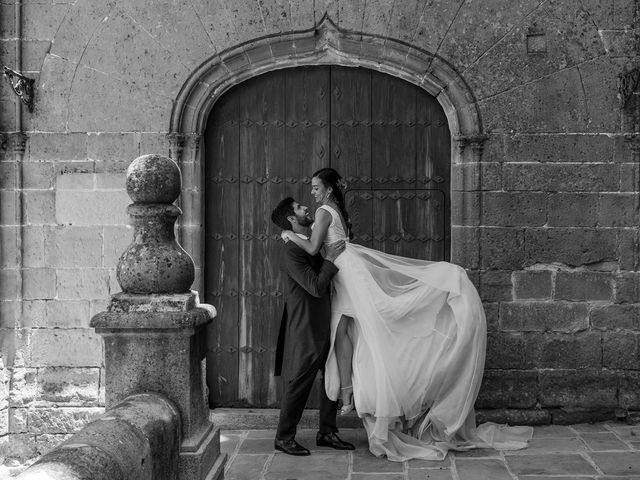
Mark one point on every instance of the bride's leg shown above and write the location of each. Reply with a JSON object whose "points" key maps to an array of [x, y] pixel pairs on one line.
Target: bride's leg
{"points": [[344, 354]]}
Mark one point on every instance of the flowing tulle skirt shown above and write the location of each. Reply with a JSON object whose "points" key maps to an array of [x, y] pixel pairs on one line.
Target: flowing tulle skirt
{"points": [[419, 336]]}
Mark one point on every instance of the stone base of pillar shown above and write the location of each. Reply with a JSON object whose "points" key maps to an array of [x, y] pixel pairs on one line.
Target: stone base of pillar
{"points": [[204, 462], [157, 343]]}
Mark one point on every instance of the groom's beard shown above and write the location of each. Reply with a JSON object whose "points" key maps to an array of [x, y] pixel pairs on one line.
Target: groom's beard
{"points": [[305, 221]]}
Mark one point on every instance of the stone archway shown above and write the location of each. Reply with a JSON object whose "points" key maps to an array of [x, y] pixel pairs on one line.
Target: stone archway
{"points": [[323, 45]]}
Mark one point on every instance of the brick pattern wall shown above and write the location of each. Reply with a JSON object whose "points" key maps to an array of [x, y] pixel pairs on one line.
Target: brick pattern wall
{"points": [[548, 222], [558, 270]]}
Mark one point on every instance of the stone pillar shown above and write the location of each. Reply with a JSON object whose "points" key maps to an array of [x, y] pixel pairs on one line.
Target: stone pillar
{"points": [[154, 331]]}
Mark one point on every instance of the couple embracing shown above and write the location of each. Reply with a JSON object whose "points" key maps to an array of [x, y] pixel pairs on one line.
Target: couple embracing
{"points": [[400, 340]]}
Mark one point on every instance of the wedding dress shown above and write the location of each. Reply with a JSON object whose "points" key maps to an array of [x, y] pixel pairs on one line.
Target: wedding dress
{"points": [[419, 338]]}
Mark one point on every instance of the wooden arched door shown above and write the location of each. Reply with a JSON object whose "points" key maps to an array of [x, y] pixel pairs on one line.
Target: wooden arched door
{"points": [[265, 137]]}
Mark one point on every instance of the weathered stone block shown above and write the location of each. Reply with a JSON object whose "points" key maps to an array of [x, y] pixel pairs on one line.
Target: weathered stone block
{"points": [[8, 247], [75, 181], [533, 284], [157, 143], [581, 388], [65, 348], [61, 420], [620, 350], [571, 246], [508, 389], [67, 314], [543, 317], [21, 446], [41, 21], [505, 351], [7, 175], [465, 208], [465, 246], [4, 422], [492, 313], [514, 416], [76, 167], [24, 387], [583, 286], [92, 208], [110, 181], [514, 209], [533, 106], [501, 248], [559, 148], [114, 147], [71, 386], [9, 314], [116, 241], [629, 175], [627, 287], [8, 211], [39, 207], [619, 210], [8, 284], [629, 249], [558, 177], [629, 390], [612, 317], [37, 175], [71, 246], [33, 245], [17, 420], [495, 286], [573, 210], [600, 84], [469, 177], [82, 284], [556, 350], [38, 283], [33, 313], [57, 146]]}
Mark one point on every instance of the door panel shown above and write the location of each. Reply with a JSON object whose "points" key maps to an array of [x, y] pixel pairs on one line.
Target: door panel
{"points": [[264, 139]]}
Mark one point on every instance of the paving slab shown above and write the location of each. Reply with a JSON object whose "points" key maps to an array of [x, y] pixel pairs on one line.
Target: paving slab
{"points": [[321, 466], [365, 462], [617, 463], [599, 442], [556, 464], [605, 451], [474, 469], [550, 445], [246, 467], [429, 474]]}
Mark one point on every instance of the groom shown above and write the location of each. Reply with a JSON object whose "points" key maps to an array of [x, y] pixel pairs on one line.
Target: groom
{"points": [[303, 341]]}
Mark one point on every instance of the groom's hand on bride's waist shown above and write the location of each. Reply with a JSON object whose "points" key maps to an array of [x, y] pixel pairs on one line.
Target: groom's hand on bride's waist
{"points": [[333, 250]]}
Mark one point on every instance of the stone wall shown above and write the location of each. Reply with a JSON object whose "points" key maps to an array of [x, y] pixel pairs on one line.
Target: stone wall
{"points": [[548, 220]]}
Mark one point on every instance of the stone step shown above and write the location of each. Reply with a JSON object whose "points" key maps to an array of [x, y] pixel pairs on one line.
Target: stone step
{"points": [[267, 419]]}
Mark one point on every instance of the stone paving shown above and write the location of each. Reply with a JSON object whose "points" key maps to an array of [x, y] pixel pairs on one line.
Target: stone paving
{"points": [[604, 451]]}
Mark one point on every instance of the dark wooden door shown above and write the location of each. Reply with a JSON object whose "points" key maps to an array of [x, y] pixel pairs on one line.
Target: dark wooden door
{"points": [[264, 139]]}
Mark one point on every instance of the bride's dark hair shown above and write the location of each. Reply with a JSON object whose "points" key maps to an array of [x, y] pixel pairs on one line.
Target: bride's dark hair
{"points": [[331, 178]]}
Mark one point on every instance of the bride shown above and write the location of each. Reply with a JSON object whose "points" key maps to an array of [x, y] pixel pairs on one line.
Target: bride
{"points": [[408, 342]]}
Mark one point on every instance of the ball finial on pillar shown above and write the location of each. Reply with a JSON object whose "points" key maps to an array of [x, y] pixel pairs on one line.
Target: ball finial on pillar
{"points": [[154, 262]]}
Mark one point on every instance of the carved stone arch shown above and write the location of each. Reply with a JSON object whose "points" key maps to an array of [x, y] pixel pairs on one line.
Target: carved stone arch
{"points": [[323, 45], [327, 45]]}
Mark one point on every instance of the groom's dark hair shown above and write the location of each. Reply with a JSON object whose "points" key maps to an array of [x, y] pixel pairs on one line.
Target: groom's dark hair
{"points": [[281, 212]]}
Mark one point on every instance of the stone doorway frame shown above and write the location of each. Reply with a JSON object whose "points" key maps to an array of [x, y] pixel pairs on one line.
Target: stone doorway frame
{"points": [[326, 44]]}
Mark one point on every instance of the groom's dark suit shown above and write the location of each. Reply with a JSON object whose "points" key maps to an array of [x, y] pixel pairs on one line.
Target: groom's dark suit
{"points": [[303, 341]]}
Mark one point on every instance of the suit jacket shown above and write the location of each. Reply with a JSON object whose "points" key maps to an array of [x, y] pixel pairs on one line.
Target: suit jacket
{"points": [[305, 327]]}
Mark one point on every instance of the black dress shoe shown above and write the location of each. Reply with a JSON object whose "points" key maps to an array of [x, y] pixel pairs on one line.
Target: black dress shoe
{"points": [[334, 441], [291, 447]]}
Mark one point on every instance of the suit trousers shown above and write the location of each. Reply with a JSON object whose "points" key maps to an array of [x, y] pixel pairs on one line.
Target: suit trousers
{"points": [[295, 395]]}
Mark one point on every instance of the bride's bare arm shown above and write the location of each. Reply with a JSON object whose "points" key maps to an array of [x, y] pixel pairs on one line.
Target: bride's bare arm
{"points": [[318, 236]]}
